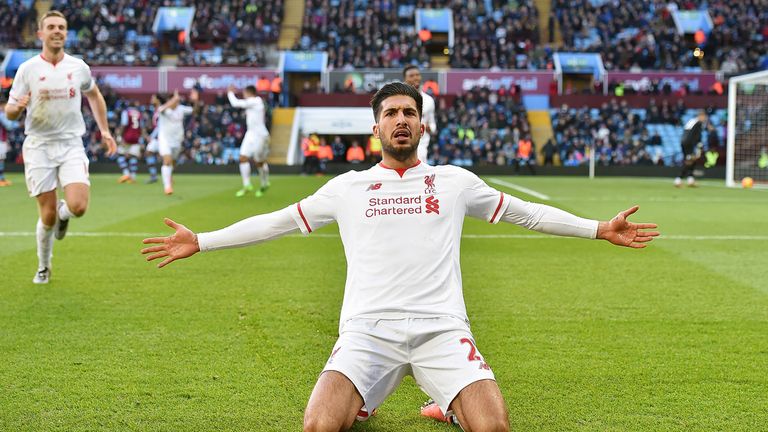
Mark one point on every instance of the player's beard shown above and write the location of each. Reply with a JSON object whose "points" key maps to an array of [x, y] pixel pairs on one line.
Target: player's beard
{"points": [[400, 153]]}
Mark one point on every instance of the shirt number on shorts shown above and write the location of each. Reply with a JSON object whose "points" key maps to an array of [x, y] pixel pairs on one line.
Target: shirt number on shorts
{"points": [[473, 354]]}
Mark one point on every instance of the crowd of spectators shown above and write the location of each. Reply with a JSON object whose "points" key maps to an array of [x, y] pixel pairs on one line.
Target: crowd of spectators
{"points": [[360, 34], [505, 37], [643, 35], [481, 127], [14, 16], [231, 32], [619, 134]]}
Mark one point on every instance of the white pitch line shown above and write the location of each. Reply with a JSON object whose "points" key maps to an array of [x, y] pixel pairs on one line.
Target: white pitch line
{"points": [[522, 189], [467, 236]]}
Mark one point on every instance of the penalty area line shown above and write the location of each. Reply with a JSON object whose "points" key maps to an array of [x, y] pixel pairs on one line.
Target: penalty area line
{"points": [[519, 188]]}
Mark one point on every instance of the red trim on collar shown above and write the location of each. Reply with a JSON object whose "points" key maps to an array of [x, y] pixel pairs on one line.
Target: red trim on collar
{"points": [[50, 62], [400, 171]]}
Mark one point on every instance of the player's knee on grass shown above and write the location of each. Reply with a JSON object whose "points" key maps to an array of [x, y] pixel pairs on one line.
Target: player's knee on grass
{"points": [[324, 421]]}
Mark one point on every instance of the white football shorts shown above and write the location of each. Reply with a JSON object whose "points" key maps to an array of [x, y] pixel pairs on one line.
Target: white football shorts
{"points": [[153, 146], [129, 150], [439, 352], [167, 148], [3, 149], [255, 145], [54, 163]]}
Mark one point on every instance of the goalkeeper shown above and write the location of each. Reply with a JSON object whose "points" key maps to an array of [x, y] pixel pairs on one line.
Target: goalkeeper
{"points": [[692, 148]]}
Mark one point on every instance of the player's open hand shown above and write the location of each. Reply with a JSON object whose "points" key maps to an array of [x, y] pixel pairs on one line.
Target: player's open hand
{"points": [[108, 141], [180, 245], [622, 232]]}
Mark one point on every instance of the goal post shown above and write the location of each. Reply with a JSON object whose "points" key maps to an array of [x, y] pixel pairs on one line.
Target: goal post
{"points": [[747, 139]]}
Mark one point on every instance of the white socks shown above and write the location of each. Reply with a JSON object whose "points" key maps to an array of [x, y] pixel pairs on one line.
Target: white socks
{"points": [[245, 172], [44, 244], [64, 212], [264, 174], [166, 171]]}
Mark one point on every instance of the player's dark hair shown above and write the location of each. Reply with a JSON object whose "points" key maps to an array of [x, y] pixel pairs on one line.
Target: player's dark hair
{"points": [[409, 67], [395, 89], [251, 89]]}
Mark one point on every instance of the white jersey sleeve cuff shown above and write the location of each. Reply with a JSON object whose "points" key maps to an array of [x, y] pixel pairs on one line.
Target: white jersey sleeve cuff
{"points": [[300, 219], [249, 231]]}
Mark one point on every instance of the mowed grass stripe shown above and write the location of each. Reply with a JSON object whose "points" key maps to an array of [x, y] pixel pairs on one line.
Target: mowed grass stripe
{"points": [[581, 335]]}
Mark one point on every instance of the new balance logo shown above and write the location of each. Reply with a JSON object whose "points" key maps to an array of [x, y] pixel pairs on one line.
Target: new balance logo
{"points": [[374, 186], [42, 78], [433, 205]]}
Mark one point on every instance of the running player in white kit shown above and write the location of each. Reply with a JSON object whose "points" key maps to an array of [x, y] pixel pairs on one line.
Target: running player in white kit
{"points": [[50, 88], [412, 76], [403, 311], [170, 134], [255, 143]]}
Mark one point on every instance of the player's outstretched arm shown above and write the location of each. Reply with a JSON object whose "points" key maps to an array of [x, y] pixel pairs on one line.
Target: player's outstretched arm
{"points": [[182, 244], [622, 232], [256, 229]]}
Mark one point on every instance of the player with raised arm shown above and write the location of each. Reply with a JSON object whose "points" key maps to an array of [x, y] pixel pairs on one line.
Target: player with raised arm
{"points": [[255, 145], [50, 88], [412, 76], [403, 311], [170, 134]]}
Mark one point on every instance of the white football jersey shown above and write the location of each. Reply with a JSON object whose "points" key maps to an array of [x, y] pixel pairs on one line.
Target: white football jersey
{"points": [[54, 109], [401, 232], [254, 112], [170, 124], [428, 113]]}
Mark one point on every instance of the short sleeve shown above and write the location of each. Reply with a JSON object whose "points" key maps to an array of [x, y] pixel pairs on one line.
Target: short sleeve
{"points": [[86, 80], [185, 109], [482, 201], [20, 86], [318, 209]]}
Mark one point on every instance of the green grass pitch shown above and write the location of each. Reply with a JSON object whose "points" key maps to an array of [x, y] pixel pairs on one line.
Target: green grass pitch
{"points": [[581, 335]]}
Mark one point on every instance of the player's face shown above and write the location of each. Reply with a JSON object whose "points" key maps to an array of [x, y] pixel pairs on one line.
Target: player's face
{"points": [[413, 78], [399, 127], [53, 32]]}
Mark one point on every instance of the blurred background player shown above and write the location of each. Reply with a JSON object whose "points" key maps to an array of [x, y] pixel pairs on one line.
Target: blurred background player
{"points": [[5, 126], [129, 149], [49, 88], [255, 145], [170, 125], [152, 146], [412, 76], [692, 148]]}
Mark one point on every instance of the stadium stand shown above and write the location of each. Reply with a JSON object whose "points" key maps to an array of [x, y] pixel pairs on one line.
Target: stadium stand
{"points": [[506, 37], [17, 18], [482, 127], [358, 34], [627, 136], [223, 32], [642, 35]]}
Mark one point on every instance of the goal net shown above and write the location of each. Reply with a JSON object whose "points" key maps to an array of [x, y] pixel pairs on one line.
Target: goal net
{"points": [[747, 129]]}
